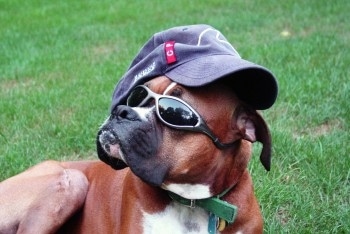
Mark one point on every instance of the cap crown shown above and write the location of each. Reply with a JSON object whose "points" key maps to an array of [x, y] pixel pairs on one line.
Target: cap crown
{"points": [[193, 55]]}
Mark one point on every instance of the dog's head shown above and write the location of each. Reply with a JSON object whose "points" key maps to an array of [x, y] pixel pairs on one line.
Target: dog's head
{"points": [[168, 157], [223, 92]]}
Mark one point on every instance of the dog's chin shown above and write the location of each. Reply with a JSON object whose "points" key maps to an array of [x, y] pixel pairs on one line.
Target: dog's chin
{"points": [[116, 163]]}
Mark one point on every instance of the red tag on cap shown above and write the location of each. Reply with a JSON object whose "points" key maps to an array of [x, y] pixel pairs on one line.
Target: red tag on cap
{"points": [[170, 52]]}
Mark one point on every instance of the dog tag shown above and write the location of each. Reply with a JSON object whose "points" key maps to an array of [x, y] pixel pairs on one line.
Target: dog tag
{"points": [[213, 219]]}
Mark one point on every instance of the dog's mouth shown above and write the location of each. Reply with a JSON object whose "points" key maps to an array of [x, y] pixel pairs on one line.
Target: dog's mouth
{"points": [[109, 149], [109, 142]]}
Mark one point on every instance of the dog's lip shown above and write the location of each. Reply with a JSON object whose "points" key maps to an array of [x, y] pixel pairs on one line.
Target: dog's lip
{"points": [[110, 144], [116, 152], [107, 138]]}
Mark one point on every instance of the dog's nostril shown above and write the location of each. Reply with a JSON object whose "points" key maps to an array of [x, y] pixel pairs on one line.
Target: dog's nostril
{"points": [[125, 112]]}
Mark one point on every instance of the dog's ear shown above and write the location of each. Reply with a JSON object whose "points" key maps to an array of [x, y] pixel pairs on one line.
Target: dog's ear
{"points": [[252, 127]]}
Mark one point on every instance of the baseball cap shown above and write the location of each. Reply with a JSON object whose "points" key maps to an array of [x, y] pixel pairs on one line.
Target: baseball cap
{"points": [[194, 56]]}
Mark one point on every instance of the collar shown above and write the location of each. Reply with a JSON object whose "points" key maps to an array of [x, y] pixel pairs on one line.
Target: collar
{"points": [[219, 210]]}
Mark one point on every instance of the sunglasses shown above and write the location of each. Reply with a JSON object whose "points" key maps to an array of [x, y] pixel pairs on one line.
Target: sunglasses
{"points": [[173, 112]]}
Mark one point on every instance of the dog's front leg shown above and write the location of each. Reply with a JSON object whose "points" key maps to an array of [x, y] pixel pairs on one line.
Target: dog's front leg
{"points": [[40, 199]]}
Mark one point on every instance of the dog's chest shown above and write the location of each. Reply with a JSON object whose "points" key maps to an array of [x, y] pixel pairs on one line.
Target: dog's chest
{"points": [[176, 218]]}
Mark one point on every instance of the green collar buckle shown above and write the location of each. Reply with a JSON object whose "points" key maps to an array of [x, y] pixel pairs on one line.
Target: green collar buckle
{"points": [[214, 205]]}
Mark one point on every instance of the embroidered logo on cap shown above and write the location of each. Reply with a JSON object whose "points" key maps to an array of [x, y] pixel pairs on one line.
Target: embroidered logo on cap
{"points": [[145, 72], [170, 52]]}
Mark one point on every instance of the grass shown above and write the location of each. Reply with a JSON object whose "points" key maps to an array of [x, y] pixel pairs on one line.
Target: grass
{"points": [[60, 61]]}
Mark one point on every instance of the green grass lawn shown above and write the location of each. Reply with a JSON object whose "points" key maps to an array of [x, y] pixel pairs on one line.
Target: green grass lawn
{"points": [[60, 61]]}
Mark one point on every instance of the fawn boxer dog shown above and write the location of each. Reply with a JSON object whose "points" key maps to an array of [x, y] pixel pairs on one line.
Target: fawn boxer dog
{"points": [[174, 149]]}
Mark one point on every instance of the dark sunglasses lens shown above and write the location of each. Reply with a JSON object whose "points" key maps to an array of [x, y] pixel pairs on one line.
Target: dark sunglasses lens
{"points": [[176, 113], [136, 97]]}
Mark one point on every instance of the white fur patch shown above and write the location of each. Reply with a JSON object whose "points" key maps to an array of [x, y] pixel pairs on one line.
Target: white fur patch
{"points": [[176, 219], [189, 191], [143, 112]]}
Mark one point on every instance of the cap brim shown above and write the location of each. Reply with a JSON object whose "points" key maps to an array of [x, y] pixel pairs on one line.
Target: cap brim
{"points": [[252, 83]]}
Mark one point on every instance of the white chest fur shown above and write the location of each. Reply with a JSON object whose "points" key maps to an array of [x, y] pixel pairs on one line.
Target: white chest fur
{"points": [[176, 219]]}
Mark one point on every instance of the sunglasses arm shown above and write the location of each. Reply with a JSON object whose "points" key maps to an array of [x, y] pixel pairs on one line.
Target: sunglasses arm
{"points": [[205, 129], [222, 146]]}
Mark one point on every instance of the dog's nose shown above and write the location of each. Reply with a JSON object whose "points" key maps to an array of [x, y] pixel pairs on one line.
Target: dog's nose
{"points": [[124, 112]]}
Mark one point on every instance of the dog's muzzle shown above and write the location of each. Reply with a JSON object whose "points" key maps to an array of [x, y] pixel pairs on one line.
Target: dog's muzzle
{"points": [[106, 139], [108, 147]]}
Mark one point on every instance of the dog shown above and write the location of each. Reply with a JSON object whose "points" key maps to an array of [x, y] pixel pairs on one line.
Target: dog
{"points": [[174, 150]]}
